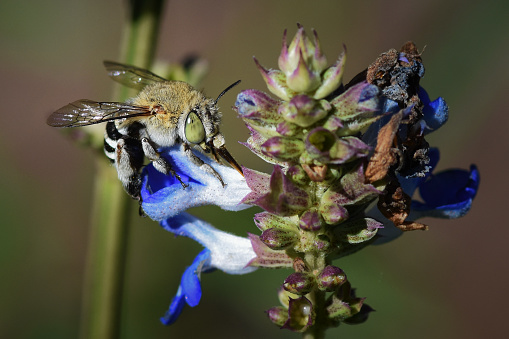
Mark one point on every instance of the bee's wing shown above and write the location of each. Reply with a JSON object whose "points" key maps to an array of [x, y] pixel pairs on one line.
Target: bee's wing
{"points": [[131, 76], [87, 112]]}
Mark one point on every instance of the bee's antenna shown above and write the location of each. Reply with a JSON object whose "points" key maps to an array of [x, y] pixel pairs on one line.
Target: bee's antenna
{"points": [[226, 90]]}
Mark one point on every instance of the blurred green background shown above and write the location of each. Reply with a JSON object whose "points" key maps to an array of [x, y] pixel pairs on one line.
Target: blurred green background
{"points": [[449, 282]]}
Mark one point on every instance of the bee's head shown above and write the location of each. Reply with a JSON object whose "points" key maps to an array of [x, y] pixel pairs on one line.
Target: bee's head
{"points": [[201, 127]]}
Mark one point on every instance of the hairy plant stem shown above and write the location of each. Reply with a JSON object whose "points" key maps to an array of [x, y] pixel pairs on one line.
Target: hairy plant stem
{"points": [[112, 207], [317, 331]]}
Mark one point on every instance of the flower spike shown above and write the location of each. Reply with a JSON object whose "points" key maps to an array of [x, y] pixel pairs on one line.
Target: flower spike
{"points": [[348, 161]]}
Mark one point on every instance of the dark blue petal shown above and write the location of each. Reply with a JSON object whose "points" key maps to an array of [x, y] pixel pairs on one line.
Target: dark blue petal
{"points": [[435, 112], [189, 290], [176, 306], [191, 278], [155, 180], [448, 194]]}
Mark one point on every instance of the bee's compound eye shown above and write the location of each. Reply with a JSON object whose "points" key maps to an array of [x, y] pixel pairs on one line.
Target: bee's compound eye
{"points": [[194, 130]]}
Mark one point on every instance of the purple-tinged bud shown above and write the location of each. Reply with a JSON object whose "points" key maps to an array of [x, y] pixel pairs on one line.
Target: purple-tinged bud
{"points": [[347, 149], [343, 305], [356, 101], [266, 220], [331, 208], [283, 148], [351, 190], [257, 105], [304, 111], [276, 82], [298, 175], [310, 220], [288, 129], [330, 278], [302, 79], [259, 135], [266, 257], [331, 78], [278, 239], [357, 231], [284, 198], [361, 316], [300, 45], [319, 60], [338, 309], [299, 283], [321, 243], [278, 315], [300, 315]]}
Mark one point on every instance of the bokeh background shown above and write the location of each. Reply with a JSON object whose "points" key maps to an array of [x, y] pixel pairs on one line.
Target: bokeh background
{"points": [[449, 282]]}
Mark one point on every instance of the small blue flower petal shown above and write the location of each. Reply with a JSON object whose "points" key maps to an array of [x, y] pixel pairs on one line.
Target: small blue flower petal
{"points": [[191, 278], [436, 113], [448, 194], [163, 196], [189, 289], [176, 307]]}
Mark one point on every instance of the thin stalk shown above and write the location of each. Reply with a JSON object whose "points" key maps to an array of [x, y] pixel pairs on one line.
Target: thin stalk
{"points": [[317, 298], [112, 207]]}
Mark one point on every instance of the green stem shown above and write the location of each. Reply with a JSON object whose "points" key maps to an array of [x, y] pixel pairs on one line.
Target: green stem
{"points": [[317, 298], [112, 207]]}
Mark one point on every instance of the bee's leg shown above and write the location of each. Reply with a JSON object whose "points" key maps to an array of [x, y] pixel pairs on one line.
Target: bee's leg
{"points": [[198, 162], [129, 161], [160, 163]]}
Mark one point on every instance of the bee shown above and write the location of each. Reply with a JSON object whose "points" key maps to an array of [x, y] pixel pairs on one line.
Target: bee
{"points": [[164, 113]]}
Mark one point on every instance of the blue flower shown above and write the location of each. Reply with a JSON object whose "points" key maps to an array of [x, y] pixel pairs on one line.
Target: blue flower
{"points": [[436, 112], [226, 252], [448, 194], [163, 196], [164, 200]]}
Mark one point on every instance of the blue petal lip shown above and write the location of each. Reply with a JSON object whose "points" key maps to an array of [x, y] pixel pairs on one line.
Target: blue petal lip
{"points": [[448, 194], [176, 307], [189, 290], [436, 112]]}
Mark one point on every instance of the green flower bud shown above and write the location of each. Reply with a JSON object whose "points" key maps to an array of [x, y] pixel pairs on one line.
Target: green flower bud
{"points": [[276, 82], [278, 315], [331, 78], [300, 315]]}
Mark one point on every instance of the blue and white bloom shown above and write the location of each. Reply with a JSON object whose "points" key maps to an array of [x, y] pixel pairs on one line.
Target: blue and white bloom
{"points": [[165, 200], [163, 196], [223, 251]]}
